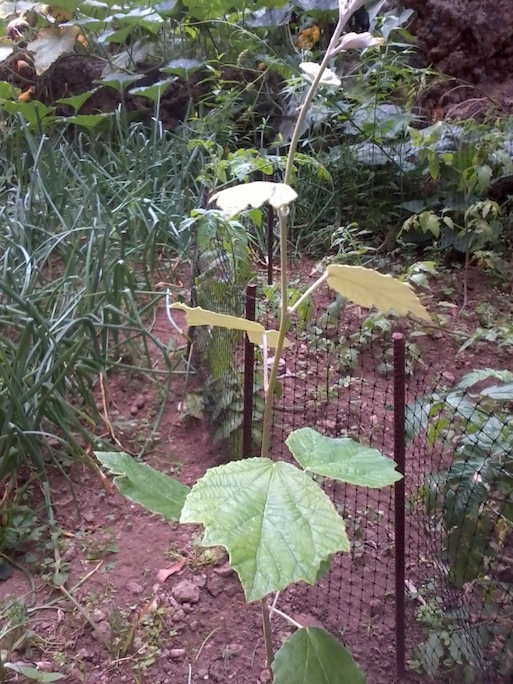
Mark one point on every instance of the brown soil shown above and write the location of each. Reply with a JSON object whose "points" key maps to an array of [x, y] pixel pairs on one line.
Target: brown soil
{"points": [[194, 625]]}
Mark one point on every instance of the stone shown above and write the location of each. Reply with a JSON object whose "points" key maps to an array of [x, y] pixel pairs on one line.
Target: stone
{"points": [[186, 591], [134, 588], [177, 653], [223, 570], [265, 677]]}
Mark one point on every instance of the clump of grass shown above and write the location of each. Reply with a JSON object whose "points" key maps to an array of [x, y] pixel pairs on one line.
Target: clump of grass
{"points": [[88, 226]]}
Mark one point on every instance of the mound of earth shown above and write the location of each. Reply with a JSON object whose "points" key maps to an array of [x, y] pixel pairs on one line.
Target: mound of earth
{"points": [[472, 41]]}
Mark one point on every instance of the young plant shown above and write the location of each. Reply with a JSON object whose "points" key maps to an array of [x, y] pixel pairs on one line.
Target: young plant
{"points": [[276, 523]]}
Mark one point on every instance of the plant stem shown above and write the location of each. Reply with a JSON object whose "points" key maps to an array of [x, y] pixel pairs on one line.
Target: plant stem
{"points": [[267, 636]]}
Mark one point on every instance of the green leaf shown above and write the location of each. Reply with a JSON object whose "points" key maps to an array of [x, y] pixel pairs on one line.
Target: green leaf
{"points": [[8, 91], [313, 656], [182, 67], [499, 392], [119, 80], [33, 112], [153, 91], [474, 377], [276, 523], [76, 101], [33, 674], [88, 120], [368, 288], [50, 44], [143, 485], [342, 459]]}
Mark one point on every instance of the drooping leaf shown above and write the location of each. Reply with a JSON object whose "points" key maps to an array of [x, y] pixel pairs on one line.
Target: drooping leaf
{"points": [[276, 523], [76, 101], [255, 331], [342, 459], [234, 200], [118, 80], [89, 120], [371, 289], [143, 485], [34, 674], [50, 44], [313, 656], [153, 91], [499, 392], [474, 377]]}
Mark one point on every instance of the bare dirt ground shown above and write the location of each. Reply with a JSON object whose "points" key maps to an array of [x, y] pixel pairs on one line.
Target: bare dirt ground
{"points": [[144, 602]]}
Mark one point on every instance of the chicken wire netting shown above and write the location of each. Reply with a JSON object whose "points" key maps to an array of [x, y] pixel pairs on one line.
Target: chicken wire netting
{"points": [[337, 377]]}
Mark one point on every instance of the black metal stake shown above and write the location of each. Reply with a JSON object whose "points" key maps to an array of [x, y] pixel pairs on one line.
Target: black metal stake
{"points": [[399, 499], [270, 244], [249, 372]]}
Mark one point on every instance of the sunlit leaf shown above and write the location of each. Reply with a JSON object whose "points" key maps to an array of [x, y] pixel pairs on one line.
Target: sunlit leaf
{"points": [[255, 331], [8, 91], [341, 458], [276, 523], [143, 485], [313, 656], [50, 44], [119, 80], [371, 289], [34, 674], [328, 78], [153, 91], [182, 67], [239, 197]]}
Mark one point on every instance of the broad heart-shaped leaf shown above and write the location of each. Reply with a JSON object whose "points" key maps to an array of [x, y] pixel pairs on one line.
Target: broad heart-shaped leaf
{"points": [[276, 523], [237, 198], [342, 459], [50, 44], [182, 67], [313, 656], [255, 331], [143, 485], [371, 289], [153, 91]]}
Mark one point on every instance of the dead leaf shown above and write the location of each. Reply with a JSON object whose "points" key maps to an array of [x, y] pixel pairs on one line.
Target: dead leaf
{"points": [[164, 573]]}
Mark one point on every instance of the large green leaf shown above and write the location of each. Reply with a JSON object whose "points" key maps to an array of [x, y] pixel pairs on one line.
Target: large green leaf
{"points": [[143, 485], [313, 656], [371, 289], [276, 523], [341, 458]]}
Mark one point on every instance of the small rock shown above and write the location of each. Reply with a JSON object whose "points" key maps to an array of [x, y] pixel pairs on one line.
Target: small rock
{"points": [[104, 630], [178, 615], [377, 607], [140, 401], [98, 615], [193, 626], [224, 570], [134, 588], [186, 592], [234, 649], [177, 653], [89, 516], [265, 677], [203, 673], [70, 554], [231, 590], [187, 608], [214, 586], [84, 654], [134, 410]]}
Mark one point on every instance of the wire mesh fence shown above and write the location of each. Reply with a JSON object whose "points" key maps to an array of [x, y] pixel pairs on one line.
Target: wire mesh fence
{"points": [[435, 596]]}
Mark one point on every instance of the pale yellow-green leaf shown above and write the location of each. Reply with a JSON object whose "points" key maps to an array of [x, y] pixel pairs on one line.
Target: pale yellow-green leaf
{"points": [[255, 331], [50, 44], [240, 197], [371, 289]]}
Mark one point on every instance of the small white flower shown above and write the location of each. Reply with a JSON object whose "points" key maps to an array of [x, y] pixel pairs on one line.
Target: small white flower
{"points": [[357, 41], [328, 78]]}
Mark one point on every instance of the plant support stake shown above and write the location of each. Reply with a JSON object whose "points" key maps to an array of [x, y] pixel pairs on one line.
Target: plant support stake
{"points": [[399, 498], [249, 374]]}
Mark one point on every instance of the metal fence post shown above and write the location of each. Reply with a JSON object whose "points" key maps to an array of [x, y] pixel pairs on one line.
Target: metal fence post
{"points": [[399, 498], [249, 371]]}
